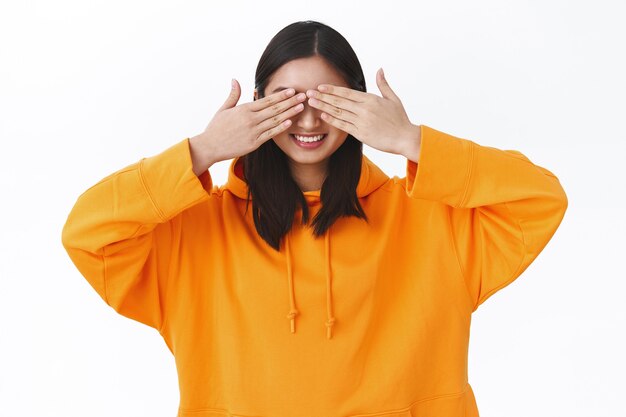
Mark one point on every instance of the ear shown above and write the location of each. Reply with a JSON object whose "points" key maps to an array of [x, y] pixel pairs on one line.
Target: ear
{"points": [[255, 94]]}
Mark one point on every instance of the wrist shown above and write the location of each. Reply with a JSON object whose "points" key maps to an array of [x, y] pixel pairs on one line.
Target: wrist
{"points": [[413, 143], [200, 154]]}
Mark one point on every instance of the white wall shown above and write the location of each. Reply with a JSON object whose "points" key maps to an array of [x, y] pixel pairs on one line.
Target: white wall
{"points": [[87, 87]]}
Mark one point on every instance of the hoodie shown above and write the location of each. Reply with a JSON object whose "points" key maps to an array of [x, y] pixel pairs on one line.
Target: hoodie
{"points": [[373, 318]]}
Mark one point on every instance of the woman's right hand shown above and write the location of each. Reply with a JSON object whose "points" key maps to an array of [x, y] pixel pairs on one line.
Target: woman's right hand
{"points": [[237, 130]]}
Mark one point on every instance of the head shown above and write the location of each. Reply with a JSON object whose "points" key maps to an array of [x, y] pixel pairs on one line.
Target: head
{"points": [[303, 55], [306, 74]]}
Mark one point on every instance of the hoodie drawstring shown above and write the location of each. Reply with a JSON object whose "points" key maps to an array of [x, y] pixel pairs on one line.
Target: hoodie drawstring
{"points": [[329, 294], [292, 304]]}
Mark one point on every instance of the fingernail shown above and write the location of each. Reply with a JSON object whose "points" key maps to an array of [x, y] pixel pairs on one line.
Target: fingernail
{"points": [[232, 83], [382, 72]]}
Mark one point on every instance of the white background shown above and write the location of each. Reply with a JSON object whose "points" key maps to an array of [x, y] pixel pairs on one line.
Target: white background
{"points": [[88, 87]]}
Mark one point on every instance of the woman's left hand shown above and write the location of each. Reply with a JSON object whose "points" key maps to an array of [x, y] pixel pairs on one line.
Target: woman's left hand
{"points": [[380, 122]]}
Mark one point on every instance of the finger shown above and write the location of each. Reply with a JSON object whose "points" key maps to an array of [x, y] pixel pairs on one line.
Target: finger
{"points": [[270, 133], [348, 127], [337, 101], [276, 120], [280, 107], [233, 97], [336, 112], [271, 99], [349, 93], [384, 87]]}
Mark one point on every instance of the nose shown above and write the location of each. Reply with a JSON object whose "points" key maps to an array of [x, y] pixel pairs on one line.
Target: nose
{"points": [[309, 118]]}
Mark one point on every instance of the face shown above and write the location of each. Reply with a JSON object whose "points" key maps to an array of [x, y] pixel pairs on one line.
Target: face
{"points": [[306, 74]]}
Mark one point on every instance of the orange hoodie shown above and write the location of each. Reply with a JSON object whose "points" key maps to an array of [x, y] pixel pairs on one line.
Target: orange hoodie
{"points": [[372, 319]]}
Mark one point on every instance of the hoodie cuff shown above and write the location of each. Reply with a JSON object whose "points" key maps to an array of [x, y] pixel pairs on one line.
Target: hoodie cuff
{"points": [[170, 182], [443, 171]]}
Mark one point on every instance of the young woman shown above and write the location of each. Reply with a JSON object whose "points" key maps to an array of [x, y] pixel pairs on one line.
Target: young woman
{"points": [[311, 283]]}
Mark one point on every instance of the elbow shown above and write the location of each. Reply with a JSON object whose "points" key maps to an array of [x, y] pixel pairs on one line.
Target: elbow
{"points": [[556, 203], [66, 236], [69, 234], [553, 215], [74, 237], [562, 203]]}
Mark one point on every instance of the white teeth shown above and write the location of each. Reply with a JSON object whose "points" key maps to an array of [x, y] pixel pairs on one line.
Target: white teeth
{"points": [[310, 138]]}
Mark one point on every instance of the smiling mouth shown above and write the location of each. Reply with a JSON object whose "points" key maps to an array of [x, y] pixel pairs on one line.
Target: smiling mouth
{"points": [[308, 139]]}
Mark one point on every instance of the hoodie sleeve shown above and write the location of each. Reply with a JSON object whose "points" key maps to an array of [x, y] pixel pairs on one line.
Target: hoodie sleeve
{"points": [[123, 231], [503, 209]]}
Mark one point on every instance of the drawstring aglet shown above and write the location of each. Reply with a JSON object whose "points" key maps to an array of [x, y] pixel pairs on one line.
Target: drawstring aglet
{"points": [[329, 327], [291, 316]]}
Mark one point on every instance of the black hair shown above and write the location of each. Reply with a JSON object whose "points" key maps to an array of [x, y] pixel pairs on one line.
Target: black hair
{"points": [[275, 194]]}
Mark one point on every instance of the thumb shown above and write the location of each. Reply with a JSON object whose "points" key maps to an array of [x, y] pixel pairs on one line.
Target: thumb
{"points": [[233, 97], [384, 87]]}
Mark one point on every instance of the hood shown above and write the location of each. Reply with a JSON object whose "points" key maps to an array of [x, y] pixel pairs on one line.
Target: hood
{"points": [[372, 177]]}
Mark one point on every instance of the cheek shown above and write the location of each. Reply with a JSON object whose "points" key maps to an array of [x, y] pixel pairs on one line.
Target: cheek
{"points": [[339, 134], [282, 137], [336, 131], [339, 138], [282, 140]]}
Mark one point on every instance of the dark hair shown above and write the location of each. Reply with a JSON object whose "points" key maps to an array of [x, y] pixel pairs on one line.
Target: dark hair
{"points": [[275, 194]]}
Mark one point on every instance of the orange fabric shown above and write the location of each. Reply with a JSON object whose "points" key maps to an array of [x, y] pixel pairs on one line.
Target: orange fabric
{"points": [[372, 319]]}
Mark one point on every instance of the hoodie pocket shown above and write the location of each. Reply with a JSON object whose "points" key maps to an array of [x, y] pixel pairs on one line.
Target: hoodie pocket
{"points": [[208, 412], [403, 413], [221, 413], [459, 404]]}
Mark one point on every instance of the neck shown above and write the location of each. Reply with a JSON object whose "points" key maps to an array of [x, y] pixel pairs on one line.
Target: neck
{"points": [[309, 177]]}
